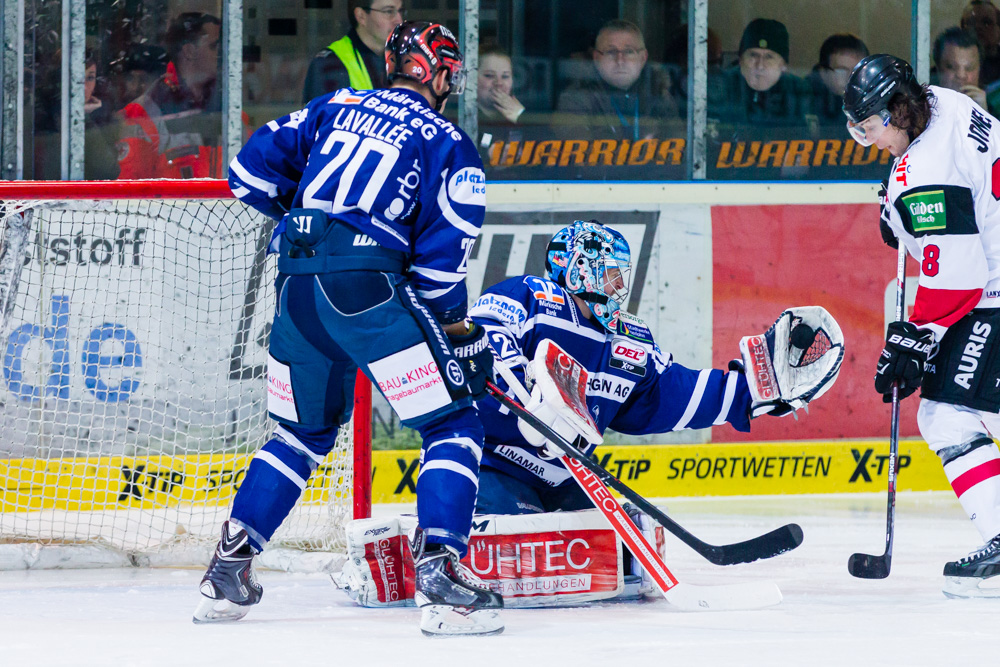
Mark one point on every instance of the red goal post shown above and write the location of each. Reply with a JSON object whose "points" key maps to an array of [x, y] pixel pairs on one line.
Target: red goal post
{"points": [[134, 317]]}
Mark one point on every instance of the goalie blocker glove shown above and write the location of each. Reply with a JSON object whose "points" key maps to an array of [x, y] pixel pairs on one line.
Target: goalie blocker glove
{"points": [[903, 358], [473, 350]]}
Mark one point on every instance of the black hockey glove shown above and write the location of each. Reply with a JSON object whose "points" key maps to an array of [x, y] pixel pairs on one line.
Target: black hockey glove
{"points": [[903, 358], [474, 353], [884, 205]]}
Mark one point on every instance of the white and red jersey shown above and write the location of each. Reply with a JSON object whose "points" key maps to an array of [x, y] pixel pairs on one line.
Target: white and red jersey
{"points": [[946, 210]]}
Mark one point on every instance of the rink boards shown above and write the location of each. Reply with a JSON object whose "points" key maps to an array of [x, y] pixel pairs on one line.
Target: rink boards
{"points": [[655, 471]]}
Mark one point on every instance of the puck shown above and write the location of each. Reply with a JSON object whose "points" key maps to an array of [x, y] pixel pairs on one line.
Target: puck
{"points": [[802, 336]]}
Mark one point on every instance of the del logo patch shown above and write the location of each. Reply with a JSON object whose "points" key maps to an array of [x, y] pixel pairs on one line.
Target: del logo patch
{"points": [[927, 210]]}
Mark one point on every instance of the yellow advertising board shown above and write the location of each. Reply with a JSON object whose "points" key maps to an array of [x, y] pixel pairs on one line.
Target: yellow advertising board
{"points": [[654, 471], [116, 482], [662, 471]]}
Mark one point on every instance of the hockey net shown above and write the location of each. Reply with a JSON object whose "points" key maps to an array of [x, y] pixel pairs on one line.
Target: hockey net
{"points": [[134, 319]]}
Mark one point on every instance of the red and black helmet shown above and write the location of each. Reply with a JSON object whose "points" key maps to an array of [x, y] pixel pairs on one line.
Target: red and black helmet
{"points": [[418, 50]]}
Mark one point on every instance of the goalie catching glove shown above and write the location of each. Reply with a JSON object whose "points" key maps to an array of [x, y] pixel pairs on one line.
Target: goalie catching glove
{"points": [[794, 362]]}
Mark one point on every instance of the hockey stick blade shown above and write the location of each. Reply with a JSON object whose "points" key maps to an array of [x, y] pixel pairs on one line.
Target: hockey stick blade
{"points": [[686, 597], [866, 566], [730, 597], [771, 544]]}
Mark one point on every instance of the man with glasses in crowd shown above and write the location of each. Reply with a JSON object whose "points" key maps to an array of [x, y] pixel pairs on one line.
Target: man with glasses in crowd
{"points": [[626, 101], [838, 56], [357, 59]]}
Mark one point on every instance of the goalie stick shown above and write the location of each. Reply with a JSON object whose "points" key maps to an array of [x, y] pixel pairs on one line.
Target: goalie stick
{"points": [[684, 596], [867, 566], [771, 544]]}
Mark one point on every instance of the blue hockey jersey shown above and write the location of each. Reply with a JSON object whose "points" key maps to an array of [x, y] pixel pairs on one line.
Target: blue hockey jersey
{"points": [[388, 165], [634, 388]]}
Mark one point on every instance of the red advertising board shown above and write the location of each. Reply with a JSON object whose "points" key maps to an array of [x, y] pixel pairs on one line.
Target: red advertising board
{"points": [[768, 258]]}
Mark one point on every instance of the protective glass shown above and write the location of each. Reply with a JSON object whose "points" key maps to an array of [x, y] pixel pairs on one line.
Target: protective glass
{"points": [[458, 77], [870, 129]]}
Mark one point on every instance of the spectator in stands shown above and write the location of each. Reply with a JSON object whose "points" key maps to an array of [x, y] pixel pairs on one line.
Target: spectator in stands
{"points": [[837, 57], [174, 129], [139, 66], [982, 19], [497, 104], [759, 93], [626, 100], [358, 58], [100, 158], [500, 112], [956, 59]]}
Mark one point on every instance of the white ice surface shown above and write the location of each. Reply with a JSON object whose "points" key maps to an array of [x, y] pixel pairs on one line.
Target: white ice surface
{"points": [[143, 617]]}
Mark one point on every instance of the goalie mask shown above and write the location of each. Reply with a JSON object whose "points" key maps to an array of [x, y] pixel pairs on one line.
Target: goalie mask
{"points": [[592, 262]]}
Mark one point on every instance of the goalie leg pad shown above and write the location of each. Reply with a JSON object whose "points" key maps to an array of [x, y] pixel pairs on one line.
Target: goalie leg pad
{"points": [[532, 560]]}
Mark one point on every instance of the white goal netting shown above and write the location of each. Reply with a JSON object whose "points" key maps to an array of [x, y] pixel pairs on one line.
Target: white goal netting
{"points": [[133, 335]]}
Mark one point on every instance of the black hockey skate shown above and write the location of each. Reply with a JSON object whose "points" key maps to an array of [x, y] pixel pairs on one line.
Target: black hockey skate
{"points": [[964, 578], [453, 601], [229, 587]]}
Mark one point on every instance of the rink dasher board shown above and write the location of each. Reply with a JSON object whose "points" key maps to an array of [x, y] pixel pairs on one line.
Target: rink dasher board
{"points": [[143, 482], [656, 471], [739, 469]]}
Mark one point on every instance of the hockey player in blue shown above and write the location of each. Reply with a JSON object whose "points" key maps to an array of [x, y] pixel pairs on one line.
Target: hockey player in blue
{"points": [[634, 387], [379, 200]]}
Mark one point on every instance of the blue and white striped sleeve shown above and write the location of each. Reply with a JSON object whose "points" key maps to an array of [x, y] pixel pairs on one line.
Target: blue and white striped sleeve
{"points": [[265, 174], [681, 398], [447, 232]]}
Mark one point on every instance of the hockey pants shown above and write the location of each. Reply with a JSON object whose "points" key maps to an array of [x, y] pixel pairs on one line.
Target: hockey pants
{"points": [[327, 326]]}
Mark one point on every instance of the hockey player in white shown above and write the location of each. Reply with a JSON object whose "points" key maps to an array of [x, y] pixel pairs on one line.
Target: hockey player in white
{"points": [[379, 200], [942, 201]]}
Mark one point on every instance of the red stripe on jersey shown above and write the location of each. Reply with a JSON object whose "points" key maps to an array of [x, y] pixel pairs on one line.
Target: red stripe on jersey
{"points": [[943, 306], [980, 473]]}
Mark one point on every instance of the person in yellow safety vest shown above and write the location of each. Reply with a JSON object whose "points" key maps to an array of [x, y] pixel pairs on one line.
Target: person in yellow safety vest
{"points": [[358, 58]]}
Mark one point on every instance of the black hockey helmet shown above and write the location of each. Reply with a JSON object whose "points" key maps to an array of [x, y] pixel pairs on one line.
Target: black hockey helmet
{"points": [[418, 50], [873, 83]]}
